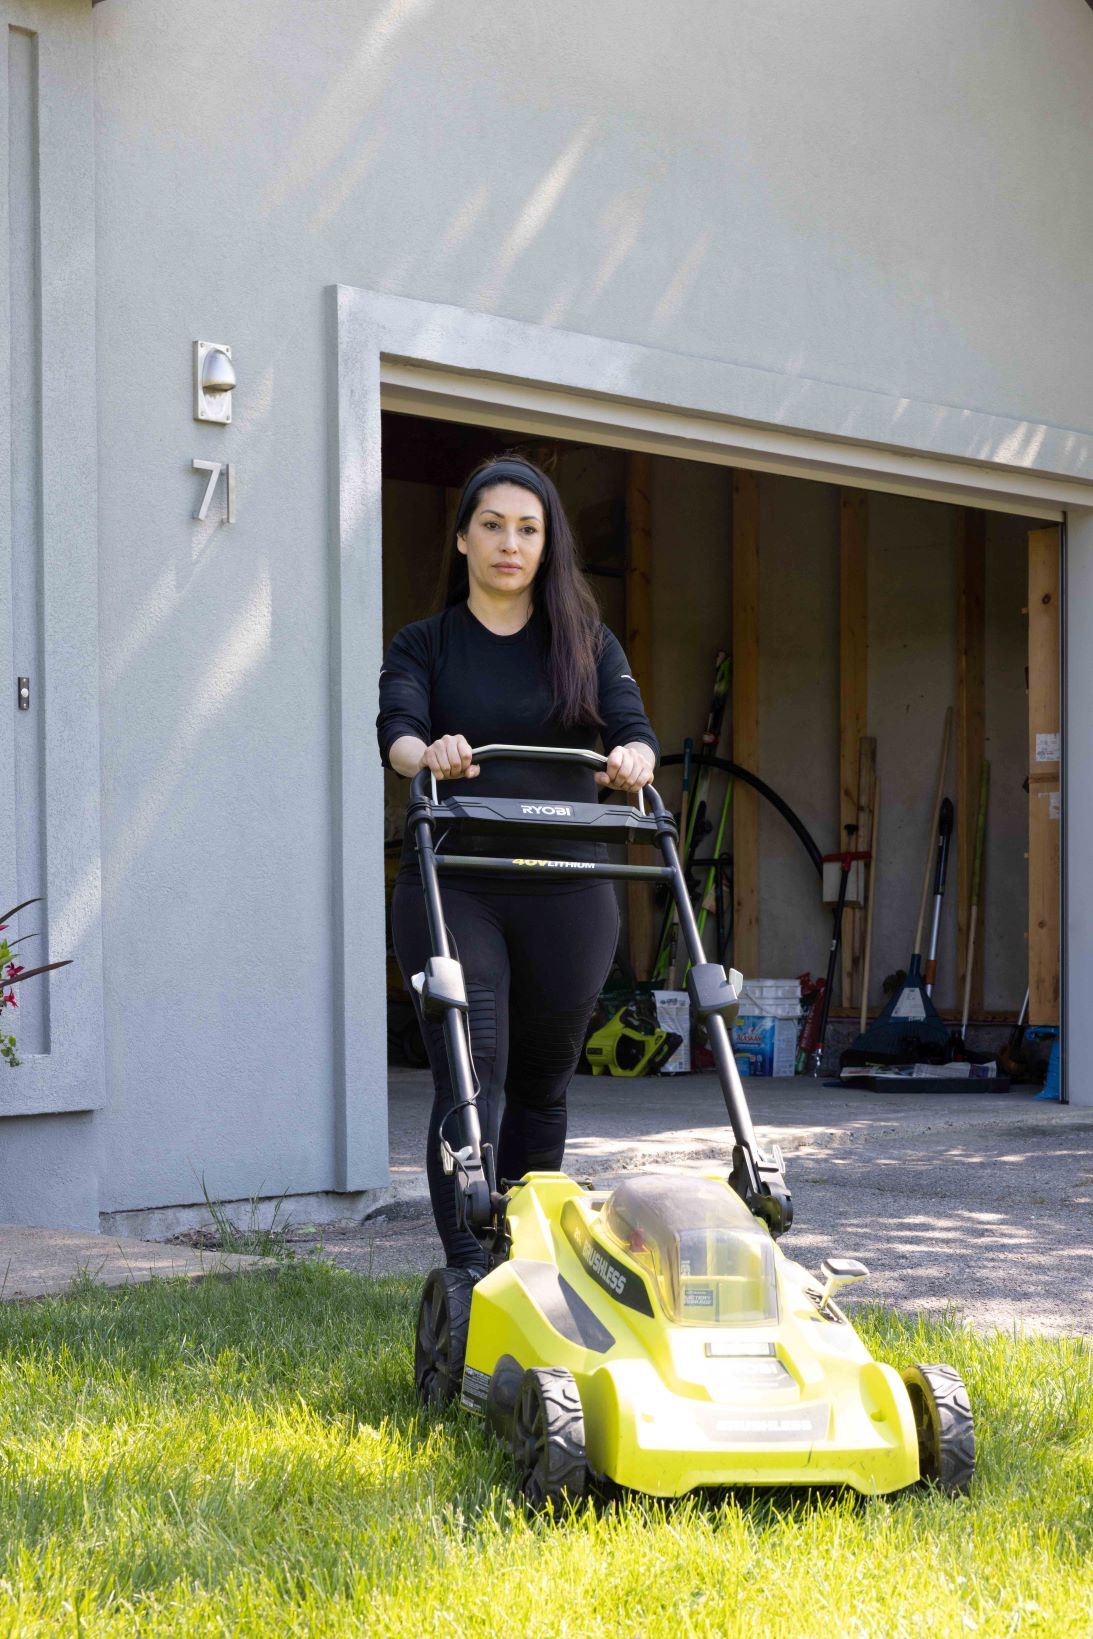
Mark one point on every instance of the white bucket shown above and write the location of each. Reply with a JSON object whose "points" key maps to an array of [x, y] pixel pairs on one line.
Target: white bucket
{"points": [[764, 1037]]}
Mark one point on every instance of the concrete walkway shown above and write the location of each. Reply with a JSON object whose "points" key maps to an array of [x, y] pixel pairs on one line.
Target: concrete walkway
{"points": [[38, 1263], [978, 1202]]}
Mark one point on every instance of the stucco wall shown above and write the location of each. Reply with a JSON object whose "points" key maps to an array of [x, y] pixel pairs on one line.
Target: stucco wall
{"points": [[817, 190]]}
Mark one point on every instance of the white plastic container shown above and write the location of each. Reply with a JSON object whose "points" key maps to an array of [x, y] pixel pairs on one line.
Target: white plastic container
{"points": [[764, 1037], [777, 998]]}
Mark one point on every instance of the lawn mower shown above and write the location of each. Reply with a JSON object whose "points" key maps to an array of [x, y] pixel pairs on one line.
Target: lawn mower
{"points": [[652, 1336]]}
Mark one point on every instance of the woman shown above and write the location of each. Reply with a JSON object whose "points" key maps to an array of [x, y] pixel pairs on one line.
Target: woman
{"points": [[518, 656]]}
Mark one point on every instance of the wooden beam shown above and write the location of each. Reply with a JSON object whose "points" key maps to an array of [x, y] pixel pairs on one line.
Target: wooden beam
{"points": [[853, 694], [745, 719], [639, 573], [1045, 818], [971, 736], [640, 909]]}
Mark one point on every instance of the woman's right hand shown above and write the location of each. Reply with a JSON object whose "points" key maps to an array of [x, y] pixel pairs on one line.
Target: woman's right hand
{"points": [[449, 758]]}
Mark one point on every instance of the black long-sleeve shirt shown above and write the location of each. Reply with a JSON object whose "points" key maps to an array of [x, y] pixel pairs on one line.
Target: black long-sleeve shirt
{"points": [[449, 674]]}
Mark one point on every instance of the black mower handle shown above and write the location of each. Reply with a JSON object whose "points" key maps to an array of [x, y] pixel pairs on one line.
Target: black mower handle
{"points": [[757, 1174], [544, 754]]}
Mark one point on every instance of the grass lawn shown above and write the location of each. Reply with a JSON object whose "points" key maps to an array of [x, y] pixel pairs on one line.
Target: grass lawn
{"points": [[248, 1457]]}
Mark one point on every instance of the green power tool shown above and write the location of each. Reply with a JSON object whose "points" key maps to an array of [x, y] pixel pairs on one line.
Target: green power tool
{"points": [[630, 1044]]}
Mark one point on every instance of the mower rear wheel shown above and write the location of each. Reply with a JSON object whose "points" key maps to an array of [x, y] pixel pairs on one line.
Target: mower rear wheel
{"points": [[440, 1341], [548, 1438], [943, 1422]]}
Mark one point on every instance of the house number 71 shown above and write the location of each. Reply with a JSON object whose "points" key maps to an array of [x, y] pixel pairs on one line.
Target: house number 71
{"points": [[214, 469]]}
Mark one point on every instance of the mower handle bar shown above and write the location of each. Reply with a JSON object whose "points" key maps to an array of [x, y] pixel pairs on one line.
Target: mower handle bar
{"points": [[757, 1175], [557, 754]]}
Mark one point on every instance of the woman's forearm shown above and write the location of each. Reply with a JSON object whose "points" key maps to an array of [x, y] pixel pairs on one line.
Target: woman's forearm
{"points": [[405, 755]]}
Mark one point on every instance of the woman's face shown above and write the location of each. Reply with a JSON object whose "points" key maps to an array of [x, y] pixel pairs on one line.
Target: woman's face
{"points": [[504, 540]]}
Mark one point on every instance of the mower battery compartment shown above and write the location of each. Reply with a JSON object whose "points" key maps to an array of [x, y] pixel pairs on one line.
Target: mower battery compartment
{"points": [[710, 1263]]}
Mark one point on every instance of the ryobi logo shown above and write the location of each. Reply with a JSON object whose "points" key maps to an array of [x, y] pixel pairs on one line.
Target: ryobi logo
{"points": [[541, 808]]}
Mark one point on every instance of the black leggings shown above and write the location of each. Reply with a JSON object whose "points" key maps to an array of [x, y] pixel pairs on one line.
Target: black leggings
{"points": [[534, 964]]}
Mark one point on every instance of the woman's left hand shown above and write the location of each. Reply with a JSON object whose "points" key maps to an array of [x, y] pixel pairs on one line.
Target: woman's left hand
{"points": [[628, 768]]}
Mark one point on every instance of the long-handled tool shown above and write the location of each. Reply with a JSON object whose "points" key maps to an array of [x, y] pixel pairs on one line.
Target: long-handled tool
{"points": [[944, 842], [910, 1029], [709, 899], [845, 860], [943, 766], [977, 874], [1010, 1061], [685, 790], [870, 901], [693, 818]]}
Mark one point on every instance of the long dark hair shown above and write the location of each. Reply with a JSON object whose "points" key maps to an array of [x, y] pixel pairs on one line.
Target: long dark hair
{"points": [[562, 598]]}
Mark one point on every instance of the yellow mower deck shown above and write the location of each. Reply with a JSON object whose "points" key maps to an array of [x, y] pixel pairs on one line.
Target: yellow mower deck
{"points": [[694, 1376]]}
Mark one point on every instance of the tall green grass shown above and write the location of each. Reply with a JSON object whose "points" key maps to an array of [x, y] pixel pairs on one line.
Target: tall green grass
{"points": [[247, 1457]]}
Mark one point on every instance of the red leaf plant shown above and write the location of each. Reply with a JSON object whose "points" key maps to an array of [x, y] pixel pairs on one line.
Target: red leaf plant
{"points": [[12, 974]]}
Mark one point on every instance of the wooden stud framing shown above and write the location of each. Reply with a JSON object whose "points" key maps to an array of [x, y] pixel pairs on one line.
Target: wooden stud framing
{"points": [[745, 719], [1045, 817], [639, 573], [971, 734], [853, 694], [639, 652]]}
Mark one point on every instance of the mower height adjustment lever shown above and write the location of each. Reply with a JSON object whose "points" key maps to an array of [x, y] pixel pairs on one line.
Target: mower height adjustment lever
{"points": [[440, 986], [712, 990]]}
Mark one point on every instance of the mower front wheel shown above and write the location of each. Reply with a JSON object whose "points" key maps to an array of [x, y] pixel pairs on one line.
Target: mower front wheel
{"points": [[548, 1438], [943, 1422], [440, 1341]]}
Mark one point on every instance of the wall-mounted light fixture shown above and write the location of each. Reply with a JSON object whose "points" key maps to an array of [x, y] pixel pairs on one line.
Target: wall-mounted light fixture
{"points": [[214, 378]]}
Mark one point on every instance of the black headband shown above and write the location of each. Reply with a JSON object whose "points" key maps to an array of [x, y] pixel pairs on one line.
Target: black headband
{"points": [[501, 472]]}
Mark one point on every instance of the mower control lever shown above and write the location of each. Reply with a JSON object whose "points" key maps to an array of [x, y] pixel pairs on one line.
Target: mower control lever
{"points": [[839, 1272]]}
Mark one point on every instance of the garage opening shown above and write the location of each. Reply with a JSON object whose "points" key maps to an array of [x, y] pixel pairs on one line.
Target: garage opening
{"points": [[865, 633]]}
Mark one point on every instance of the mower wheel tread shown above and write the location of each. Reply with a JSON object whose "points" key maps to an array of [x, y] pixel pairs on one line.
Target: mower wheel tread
{"points": [[548, 1438], [440, 1338], [946, 1431]]}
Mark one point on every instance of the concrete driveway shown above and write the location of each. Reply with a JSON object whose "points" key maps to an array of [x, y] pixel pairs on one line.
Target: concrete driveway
{"points": [[978, 1202]]}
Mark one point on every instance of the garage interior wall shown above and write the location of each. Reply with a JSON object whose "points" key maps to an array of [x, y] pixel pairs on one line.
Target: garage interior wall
{"points": [[912, 637]]}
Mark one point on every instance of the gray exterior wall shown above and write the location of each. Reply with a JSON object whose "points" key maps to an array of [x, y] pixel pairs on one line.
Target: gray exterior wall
{"points": [[867, 195]]}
